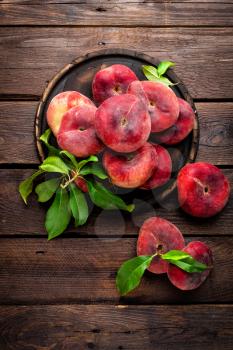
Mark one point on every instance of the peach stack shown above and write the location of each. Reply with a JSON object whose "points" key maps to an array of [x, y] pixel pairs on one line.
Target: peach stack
{"points": [[126, 116]]}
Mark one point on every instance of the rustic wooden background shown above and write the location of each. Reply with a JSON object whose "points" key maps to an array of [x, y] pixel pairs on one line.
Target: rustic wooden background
{"points": [[61, 294]]}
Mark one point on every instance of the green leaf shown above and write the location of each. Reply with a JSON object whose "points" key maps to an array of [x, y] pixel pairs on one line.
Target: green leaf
{"points": [[53, 151], [46, 189], [184, 261], [105, 199], [163, 67], [130, 273], [94, 169], [54, 165], [26, 186], [150, 72], [85, 161], [175, 255], [164, 81], [58, 215], [71, 157], [78, 205]]}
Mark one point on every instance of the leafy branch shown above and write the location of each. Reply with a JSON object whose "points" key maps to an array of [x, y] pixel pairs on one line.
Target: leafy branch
{"points": [[131, 271], [68, 199]]}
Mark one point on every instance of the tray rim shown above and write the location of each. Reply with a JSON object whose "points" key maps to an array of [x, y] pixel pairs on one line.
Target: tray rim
{"points": [[109, 52]]}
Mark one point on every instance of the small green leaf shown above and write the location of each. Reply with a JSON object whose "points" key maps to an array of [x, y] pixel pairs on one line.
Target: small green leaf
{"points": [[94, 169], [58, 215], [130, 273], [54, 165], [26, 186], [78, 205], [71, 157], [184, 261], [175, 255], [163, 67], [85, 161], [164, 81], [150, 72], [105, 199], [46, 189], [53, 151]]}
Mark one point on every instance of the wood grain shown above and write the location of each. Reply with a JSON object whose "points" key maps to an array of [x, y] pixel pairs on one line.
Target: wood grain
{"points": [[118, 14], [105, 327], [18, 146], [19, 219], [203, 56], [83, 270], [100, 2]]}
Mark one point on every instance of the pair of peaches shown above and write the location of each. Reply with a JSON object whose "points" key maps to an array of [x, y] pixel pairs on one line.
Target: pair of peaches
{"points": [[131, 121]]}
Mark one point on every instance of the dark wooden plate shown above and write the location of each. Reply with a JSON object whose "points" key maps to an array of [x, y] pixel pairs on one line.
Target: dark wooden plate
{"points": [[78, 76]]}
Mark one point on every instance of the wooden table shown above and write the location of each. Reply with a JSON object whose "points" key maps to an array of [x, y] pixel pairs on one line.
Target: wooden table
{"points": [[61, 294]]}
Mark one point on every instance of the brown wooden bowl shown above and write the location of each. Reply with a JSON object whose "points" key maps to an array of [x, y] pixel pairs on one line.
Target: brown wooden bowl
{"points": [[78, 76]]}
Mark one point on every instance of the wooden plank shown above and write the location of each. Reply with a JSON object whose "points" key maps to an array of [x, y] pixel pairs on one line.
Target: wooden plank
{"points": [[30, 58], [18, 145], [18, 219], [118, 14], [77, 270], [104, 327], [17, 123], [100, 2]]}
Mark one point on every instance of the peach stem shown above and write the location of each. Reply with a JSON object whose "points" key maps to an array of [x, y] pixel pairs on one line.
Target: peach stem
{"points": [[70, 180]]}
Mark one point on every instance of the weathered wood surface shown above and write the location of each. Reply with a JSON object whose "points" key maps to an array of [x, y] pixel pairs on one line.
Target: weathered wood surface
{"points": [[101, 223], [105, 327], [18, 146], [76, 270], [203, 56], [118, 14], [100, 2]]}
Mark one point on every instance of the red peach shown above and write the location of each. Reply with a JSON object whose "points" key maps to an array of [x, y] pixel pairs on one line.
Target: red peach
{"points": [[158, 235], [130, 170], [182, 127], [111, 81], [60, 104], [77, 133], [123, 123], [203, 189], [160, 100], [81, 183], [162, 172], [188, 281]]}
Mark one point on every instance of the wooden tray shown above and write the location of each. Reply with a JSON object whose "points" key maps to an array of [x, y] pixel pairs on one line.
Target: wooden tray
{"points": [[78, 76]]}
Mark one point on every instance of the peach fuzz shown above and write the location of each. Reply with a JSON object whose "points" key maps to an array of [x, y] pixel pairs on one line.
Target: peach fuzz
{"points": [[161, 102], [182, 127], [60, 104], [188, 281], [162, 172], [77, 133], [123, 123], [158, 235], [203, 189], [111, 81], [130, 170]]}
